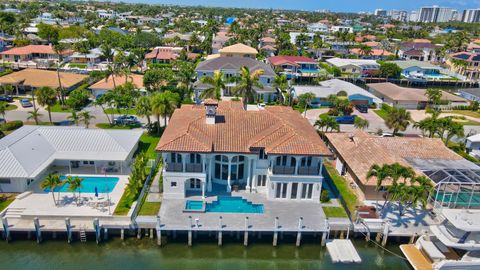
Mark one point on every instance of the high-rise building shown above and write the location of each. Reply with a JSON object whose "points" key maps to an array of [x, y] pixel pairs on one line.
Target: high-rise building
{"points": [[398, 15], [436, 14], [413, 16], [380, 12], [471, 15]]}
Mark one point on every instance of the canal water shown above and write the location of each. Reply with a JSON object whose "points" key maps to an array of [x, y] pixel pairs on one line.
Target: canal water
{"points": [[145, 254]]}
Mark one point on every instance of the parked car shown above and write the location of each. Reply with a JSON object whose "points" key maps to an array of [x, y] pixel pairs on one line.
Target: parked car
{"points": [[386, 134], [362, 108], [6, 98], [125, 120], [25, 102], [2, 121], [345, 119]]}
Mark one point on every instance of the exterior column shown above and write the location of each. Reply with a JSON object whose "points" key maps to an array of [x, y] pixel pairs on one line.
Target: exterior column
{"points": [[70, 166], [95, 164], [321, 166], [229, 187], [296, 164], [254, 180], [184, 157], [210, 173], [203, 190], [248, 175]]}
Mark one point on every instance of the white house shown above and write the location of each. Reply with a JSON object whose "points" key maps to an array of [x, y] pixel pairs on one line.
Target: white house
{"points": [[28, 154], [317, 27], [354, 66], [341, 28], [473, 145], [220, 147]]}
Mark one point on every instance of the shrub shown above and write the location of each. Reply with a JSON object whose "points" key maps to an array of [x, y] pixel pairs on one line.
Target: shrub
{"points": [[333, 112], [324, 196], [386, 107], [12, 125]]}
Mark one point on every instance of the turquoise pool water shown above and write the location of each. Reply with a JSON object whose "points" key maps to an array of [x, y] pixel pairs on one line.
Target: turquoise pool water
{"points": [[194, 205], [103, 184], [225, 204]]}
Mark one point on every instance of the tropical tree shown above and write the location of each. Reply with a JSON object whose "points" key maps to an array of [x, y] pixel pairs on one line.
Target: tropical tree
{"points": [[327, 122], [365, 50], [51, 182], [280, 82], [137, 176], [74, 117], [34, 115], [217, 84], [3, 109], [434, 96], [157, 79], [59, 50], [246, 84], [86, 117], [144, 108], [361, 123], [47, 97], [74, 184], [304, 100], [163, 105], [103, 102], [454, 129], [398, 119]]}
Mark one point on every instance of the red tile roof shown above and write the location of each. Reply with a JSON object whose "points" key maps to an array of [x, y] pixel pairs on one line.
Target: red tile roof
{"points": [[279, 60], [29, 49], [374, 52], [280, 130]]}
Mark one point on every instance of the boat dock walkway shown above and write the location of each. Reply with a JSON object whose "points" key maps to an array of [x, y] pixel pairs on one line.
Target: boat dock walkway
{"points": [[343, 251]]}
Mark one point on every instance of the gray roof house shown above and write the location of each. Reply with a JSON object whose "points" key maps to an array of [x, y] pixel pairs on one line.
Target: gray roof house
{"points": [[472, 94], [27, 154]]}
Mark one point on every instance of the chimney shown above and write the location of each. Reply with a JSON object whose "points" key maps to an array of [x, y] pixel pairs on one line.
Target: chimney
{"points": [[211, 110]]}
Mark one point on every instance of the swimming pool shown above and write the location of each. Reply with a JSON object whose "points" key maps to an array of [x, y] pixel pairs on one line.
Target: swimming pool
{"points": [[103, 184], [225, 204]]}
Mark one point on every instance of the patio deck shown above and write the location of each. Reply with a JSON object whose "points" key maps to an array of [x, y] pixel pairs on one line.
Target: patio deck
{"points": [[172, 216]]}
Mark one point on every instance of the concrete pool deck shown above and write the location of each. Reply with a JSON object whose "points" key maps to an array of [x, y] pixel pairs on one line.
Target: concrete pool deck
{"points": [[172, 216]]}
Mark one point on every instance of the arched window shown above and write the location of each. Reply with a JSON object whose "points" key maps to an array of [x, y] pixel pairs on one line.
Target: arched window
{"points": [[175, 158], [306, 162], [195, 158], [195, 183]]}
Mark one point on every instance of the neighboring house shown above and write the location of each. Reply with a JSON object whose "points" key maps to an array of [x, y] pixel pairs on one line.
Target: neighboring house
{"points": [[376, 54], [238, 50], [32, 53], [421, 51], [163, 55], [230, 66], [472, 145], [411, 98], [419, 69], [357, 152], [361, 67], [28, 154], [294, 35], [219, 41], [220, 147], [108, 84], [317, 27], [295, 67], [341, 28], [267, 41], [471, 69], [92, 57], [356, 95], [472, 94], [30, 79]]}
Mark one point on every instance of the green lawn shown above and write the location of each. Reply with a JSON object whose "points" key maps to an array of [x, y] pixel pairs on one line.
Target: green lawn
{"points": [[109, 126], [382, 113], [40, 123], [122, 111], [147, 143], [334, 212], [149, 209], [348, 195], [5, 201], [61, 108], [11, 107], [123, 205], [466, 113], [77, 65]]}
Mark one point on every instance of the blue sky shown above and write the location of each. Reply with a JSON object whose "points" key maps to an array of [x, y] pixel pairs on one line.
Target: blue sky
{"points": [[333, 5]]}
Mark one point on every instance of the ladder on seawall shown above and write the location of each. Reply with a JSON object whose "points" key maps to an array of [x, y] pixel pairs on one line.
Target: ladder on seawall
{"points": [[83, 234]]}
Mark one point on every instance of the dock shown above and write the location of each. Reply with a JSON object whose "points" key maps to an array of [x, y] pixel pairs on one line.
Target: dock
{"points": [[415, 257], [343, 251]]}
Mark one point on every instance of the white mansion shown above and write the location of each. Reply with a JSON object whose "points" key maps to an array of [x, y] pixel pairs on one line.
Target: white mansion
{"points": [[220, 148]]}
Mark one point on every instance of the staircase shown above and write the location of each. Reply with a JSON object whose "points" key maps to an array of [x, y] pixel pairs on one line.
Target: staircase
{"points": [[14, 212], [83, 235]]}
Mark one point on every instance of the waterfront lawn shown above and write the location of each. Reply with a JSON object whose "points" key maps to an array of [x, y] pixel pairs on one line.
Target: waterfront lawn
{"points": [[149, 209], [334, 212], [124, 205], [342, 185], [5, 201], [147, 143]]}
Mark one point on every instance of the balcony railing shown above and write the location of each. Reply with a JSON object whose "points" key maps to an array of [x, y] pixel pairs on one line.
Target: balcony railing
{"points": [[174, 167], [283, 170], [193, 167], [312, 170]]}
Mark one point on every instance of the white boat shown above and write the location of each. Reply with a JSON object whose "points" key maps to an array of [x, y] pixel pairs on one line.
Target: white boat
{"points": [[452, 245]]}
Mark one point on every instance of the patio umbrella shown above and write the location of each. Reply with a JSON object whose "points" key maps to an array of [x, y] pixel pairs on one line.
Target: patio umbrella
{"points": [[96, 192]]}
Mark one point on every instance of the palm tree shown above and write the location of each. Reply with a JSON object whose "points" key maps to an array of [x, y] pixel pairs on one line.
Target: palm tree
{"points": [[361, 123], [454, 129], [280, 82], [429, 125], [305, 99], [217, 84], [434, 96], [365, 50], [51, 182], [144, 108], [3, 109], [46, 96], [74, 117], [163, 104], [86, 117], [74, 184], [34, 115], [398, 119], [59, 49], [422, 188], [246, 83]]}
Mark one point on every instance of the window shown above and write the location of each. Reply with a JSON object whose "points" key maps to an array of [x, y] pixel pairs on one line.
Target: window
{"points": [[195, 183], [262, 154], [307, 190], [306, 162], [195, 158], [261, 180], [293, 193], [176, 158], [92, 162], [281, 191], [85, 162], [173, 184], [281, 161], [5, 181]]}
